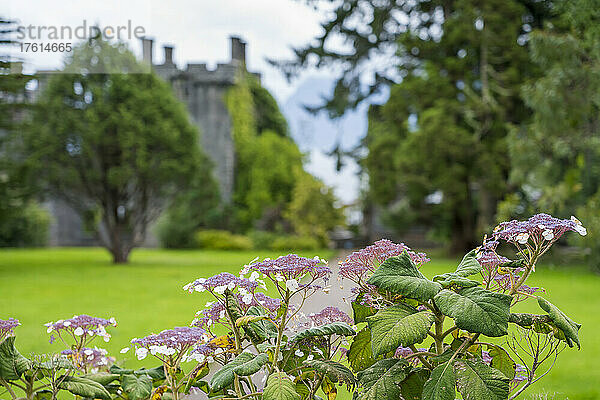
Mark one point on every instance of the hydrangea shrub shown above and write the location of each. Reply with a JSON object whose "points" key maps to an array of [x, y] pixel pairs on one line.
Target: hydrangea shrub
{"points": [[409, 336]]}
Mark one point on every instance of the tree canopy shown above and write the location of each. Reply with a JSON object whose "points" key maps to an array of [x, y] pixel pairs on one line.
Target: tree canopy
{"points": [[110, 139]]}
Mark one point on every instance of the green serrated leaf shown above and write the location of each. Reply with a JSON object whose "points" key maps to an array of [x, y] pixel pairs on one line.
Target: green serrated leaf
{"points": [[569, 328], [137, 387], [84, 387], [246, 319], [156, 373], [468, 265], [399, 275], [12, 363], [476, 310], [441, 383], [380, 381], [476, 380], [502, 362], [412, 387], [226, 375], [335, 371], [103, 378], [280, 387], [398, 325], [458, 282], [360, 354], [335, 328], [262, 329], [360, 311], [251, 366]]}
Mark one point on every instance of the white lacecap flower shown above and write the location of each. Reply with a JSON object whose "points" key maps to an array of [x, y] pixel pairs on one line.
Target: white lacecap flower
{"points": [[199, 288], [50, 328], [220, 289], [67, 323], [254, 276], [210, 359], [310, 357], [222, 314], [87, 352], [201, 280], [299, 353], [218, 351], [292, 284], [141, 353], [247, 298], [231, 285], [279, 277], [113, 321], [522, 238], [581, 230], [548, 234], [124, 350], [78, 331]]}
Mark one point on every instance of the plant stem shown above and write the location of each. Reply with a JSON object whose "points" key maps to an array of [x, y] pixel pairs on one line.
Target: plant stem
{"points": [[420, 357], [7, 386], [439, 334], [281, 328]]}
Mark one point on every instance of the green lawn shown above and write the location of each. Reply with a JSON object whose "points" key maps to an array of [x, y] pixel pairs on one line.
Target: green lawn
{"points": [[37, 286]]}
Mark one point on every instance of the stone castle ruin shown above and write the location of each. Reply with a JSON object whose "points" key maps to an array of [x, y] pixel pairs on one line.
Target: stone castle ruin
{"points": [[202, 91]]}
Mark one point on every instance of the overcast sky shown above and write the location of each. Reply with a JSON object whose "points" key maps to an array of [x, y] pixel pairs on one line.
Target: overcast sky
{"points": [[200, 30]]}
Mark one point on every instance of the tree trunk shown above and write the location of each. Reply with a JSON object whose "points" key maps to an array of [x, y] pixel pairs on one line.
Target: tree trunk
{"points": [[120, 255]]}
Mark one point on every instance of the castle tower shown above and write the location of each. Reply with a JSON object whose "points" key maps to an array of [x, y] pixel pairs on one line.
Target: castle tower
{"points": [[203, 91]]}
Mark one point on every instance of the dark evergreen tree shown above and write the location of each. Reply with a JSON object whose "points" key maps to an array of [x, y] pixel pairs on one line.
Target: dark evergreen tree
{"points": [[111, 139]]}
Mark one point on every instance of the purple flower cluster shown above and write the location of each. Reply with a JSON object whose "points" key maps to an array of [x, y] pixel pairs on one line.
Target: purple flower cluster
{"points": [[88, 358], [215, 313], [540, 228], [329, 315], [7, 328], [81, 327], [217, 284], [359, 265], [291, 268], [498, 279], [168, 342]]}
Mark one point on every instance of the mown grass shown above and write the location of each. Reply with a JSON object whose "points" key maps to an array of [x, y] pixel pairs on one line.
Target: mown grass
{"points": [[37, 286]]}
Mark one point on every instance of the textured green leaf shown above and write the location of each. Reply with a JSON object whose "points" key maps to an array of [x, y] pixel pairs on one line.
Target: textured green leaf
{"points": [[225, 376], [103, 378], [360, 354], [360, 311], [458, 282], [398, 325], [246, 319], [335, 371], [412, 387], [156, 373], [400, 275], [381, 380], [569, 328], [440, 385], [476, 310], [502, 362], [335, 328], [280, 387], [137, 387], [468, 265], [84, 387], [259, 330], [476, 380], [251, 366], [42, 395], [12, 363]]}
